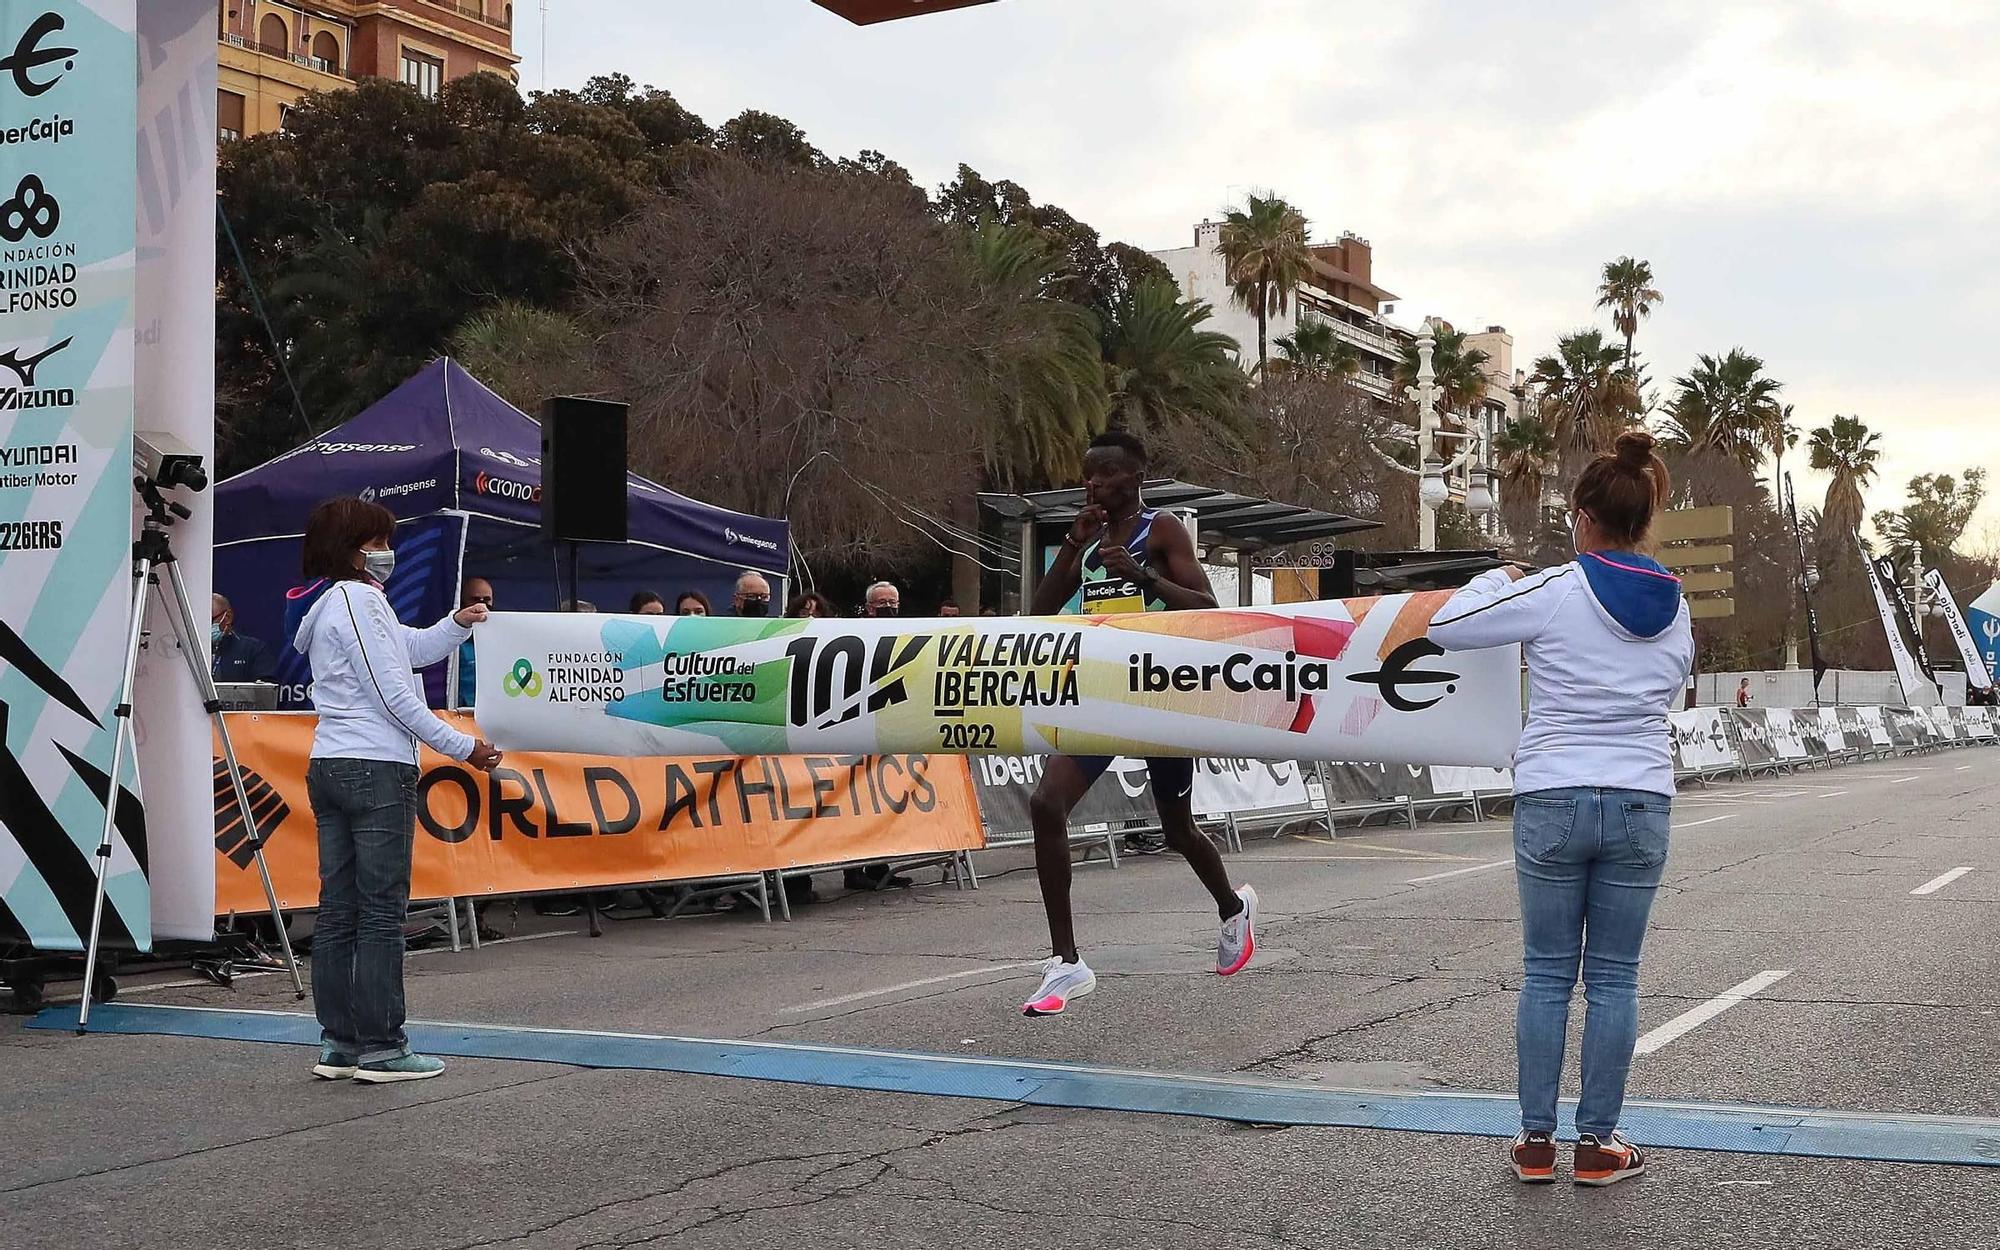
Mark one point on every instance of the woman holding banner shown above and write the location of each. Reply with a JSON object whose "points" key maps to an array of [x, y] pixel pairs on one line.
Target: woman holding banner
{"points": [[1608, 647], [363, 782]]}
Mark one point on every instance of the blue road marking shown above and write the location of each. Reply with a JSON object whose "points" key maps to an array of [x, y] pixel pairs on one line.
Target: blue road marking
{"points": [[1734, 1127]]}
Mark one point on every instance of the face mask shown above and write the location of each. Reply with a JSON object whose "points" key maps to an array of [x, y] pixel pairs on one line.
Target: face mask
{"points": [[214, 632], [754, 607], [379, 565], [888, 609]]}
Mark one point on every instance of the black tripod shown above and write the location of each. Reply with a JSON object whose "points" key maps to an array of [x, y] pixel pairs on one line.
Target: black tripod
{"points": [[152, 552]]}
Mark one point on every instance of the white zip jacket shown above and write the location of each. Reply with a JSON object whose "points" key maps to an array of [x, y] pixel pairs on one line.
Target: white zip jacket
{"points": [[371, 705], [1608, 648]]}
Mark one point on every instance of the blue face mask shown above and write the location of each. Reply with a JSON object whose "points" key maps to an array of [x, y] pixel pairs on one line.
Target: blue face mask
{"points": [[214, 633]]}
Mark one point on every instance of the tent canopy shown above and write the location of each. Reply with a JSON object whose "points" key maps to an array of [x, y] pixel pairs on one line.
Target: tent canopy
{"points": [[462, 470], [443, 442]]}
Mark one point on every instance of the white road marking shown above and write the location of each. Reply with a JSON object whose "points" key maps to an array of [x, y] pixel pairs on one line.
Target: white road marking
{"points": [[1457, 872], [844, 999], [1833, 794], [1688, 1021], [1940, 882], [1962, 767], [1897, 781], [1709, 821]]}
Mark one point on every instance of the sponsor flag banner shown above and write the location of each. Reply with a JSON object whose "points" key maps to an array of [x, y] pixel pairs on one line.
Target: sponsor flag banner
{"points": [[1977, 673], [1896, 622], [566, 822], [1339, 679], [1982, 619], [68, 189]]}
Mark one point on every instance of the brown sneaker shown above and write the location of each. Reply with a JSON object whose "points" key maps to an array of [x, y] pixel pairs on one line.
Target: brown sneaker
{"points": [[1607, 1161], [1535, 1157]]}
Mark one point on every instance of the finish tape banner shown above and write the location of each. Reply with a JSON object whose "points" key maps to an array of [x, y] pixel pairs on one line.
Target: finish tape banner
{"points": [[567, 822], [1351, 679]]}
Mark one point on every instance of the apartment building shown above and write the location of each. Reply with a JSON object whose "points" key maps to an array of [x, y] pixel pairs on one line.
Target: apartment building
{"points": [[272, 52]]}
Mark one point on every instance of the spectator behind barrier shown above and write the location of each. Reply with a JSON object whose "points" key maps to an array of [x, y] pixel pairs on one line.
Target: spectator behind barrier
{"points": [[692, 603], [753, 596], [812, 605], [477, 590], [883, 599], [948, 608], [234, 656], [646, 603]]}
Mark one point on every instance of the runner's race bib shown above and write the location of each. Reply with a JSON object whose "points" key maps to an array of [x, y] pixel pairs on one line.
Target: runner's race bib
{"points": [[1117, 595]]}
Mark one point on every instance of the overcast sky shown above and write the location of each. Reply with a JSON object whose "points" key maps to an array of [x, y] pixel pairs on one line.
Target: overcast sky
{"points": [[1815, 181]]}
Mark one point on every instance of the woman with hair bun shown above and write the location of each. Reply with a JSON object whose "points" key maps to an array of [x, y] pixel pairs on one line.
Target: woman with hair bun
{"points": [[1608, 648]]}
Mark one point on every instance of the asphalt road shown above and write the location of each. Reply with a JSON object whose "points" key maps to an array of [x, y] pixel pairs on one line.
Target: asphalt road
{"points": [[1367, 978]]}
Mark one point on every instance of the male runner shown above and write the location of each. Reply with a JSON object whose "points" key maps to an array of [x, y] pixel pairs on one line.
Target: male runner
{"points": [[1126, 557]]}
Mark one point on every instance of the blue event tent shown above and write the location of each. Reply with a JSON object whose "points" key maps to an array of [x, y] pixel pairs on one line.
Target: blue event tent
{"points": [[461, 469]]}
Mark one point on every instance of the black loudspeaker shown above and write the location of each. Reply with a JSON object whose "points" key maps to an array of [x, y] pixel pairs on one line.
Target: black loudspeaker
{"points": [[583, 470]]}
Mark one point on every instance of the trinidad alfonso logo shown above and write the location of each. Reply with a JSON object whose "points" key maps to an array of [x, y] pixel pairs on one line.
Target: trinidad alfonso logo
{"points": [[522, 681]]}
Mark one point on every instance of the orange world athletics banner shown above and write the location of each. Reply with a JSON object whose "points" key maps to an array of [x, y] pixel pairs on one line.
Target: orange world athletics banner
{"points": [[563, 822]]}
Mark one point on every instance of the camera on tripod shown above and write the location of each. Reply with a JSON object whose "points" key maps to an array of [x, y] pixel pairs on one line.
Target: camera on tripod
{"points": [[162, 462], [167, 462]]}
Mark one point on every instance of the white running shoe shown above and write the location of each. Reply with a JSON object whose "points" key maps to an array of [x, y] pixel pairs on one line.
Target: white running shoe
{"points": [[1061, 982], [1239, 936]]}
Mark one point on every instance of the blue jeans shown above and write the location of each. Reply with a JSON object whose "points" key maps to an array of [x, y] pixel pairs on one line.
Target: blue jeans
{"points": [[1588, 862], [366, 812]]}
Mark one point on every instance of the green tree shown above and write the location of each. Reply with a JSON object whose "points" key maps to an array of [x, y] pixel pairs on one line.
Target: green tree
{"points": [[1314, 349], [1845, 449], [379, 220], [1724, 404], [1627, 290], [1049, 386], [1934, 516], [1171, 380], [762, 136], [524, 353], [1265, 256], [1095, 274], [1587, 397]]}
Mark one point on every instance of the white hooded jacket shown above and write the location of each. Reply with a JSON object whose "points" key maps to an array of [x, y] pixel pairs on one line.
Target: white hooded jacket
{"points": [[1608, 648], [370, 703]]}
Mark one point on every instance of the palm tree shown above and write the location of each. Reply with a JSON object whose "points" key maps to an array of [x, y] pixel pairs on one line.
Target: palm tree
{"points": [[1316, 351], [1264, 255], [1724, 405], [1166, 373], [1525, 452], [1846, 449], [1627, 290], [1045, 367], [1460, 370], [1778, 433], [524, 353], [1587, 399]]}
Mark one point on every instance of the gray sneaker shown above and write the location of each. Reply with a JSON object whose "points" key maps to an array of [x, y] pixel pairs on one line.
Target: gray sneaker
{"points": [[1061, 982], [1239, 936], [402, 1068]]}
